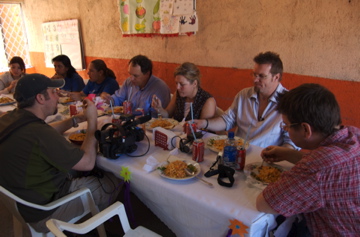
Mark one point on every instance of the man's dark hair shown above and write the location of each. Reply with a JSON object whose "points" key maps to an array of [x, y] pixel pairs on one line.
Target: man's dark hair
{"points": [[144, 63], [18, 60], [25, 103], [312, 104], [67, 63], [273, 59]]}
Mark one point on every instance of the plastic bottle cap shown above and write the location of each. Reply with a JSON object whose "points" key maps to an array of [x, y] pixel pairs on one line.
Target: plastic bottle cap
{"points": [[231, 135]]}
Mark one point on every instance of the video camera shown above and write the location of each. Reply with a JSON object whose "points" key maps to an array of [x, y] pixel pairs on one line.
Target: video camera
{"points": [[115, 139], [185, 144]]}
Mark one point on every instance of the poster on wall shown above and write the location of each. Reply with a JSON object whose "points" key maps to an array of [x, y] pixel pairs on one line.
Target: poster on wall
{"points": [[146, 18], [63, 37]]}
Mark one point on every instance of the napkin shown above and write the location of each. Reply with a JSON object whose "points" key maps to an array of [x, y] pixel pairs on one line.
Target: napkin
{"points": [[151, 164]]}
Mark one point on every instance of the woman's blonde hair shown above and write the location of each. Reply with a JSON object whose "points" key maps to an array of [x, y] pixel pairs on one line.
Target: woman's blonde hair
{"points": [[190, 71]]}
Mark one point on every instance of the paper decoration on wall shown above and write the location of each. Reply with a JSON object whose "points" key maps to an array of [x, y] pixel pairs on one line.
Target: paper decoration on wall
{"points": [[63, 37], [146, 18], [237, 228]]}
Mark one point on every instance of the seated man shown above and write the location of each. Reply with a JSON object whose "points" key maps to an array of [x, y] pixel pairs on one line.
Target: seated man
{"points": [[102, 81], [253, 110], [141, 86], [36, 159], [324, 183]]}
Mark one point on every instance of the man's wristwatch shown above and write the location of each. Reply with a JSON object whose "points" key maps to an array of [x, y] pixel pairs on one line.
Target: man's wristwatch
{"points": [[75, 123]]}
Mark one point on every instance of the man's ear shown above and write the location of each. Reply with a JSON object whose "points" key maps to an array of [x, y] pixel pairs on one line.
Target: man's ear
{"points": [[307, 130], [277, 76], [40, 98]]}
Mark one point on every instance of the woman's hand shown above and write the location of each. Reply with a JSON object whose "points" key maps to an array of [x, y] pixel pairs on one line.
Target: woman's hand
{"points": [[57, 76], [75, 95], [12, 85], [156, 103]]}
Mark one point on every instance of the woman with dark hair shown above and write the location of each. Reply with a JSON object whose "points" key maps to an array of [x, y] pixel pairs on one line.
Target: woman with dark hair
{"points": [[9, 79], [102, 81], [64, 69], [187, 79]]}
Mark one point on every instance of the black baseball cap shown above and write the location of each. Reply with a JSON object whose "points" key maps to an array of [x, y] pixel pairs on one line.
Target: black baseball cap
{"points": [[32, 84]]}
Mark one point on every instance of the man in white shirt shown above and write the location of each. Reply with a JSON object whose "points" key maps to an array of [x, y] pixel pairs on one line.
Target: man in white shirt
{"points": [[254, 109]]}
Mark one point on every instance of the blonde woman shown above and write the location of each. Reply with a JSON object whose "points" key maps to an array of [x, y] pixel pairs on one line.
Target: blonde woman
{"points": [[9, 79], [188, 90]]}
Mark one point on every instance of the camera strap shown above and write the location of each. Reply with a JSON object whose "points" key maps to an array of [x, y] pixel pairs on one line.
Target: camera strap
{"points": [[224, 172]]}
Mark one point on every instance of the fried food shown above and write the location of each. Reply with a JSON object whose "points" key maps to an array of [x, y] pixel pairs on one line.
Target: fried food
{"points": [[162, 123], [117, 110], [65, 100], [267, 174], [5, 100], [79, 137], [219, 143], [176, 169]]}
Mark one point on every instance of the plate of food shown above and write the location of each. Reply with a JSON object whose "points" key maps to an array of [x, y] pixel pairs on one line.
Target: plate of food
{"points": [[167, 123], [4, 100], [78, 136], [117, 110], [175, 170], [259, 173], [217, 143]]}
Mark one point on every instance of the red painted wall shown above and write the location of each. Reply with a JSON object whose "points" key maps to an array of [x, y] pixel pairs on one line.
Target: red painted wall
{"points": [[224, 83]]}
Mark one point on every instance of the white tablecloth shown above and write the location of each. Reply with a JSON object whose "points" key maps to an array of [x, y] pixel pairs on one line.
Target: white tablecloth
{"points": [[191, 208]]}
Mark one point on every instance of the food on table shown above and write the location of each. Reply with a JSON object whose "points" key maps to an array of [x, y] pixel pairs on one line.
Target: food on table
{"points": [[65, 100], [267, 174], [79, 137], [219, 143], [5, 100], [162, 123], [117, 110], [176, 169]]}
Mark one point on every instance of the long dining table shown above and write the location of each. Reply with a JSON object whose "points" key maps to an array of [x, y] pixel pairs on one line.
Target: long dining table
{"points": [[190, 207]]}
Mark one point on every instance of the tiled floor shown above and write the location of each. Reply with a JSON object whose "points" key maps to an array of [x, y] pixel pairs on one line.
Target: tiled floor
{"points": [[143, 216]]}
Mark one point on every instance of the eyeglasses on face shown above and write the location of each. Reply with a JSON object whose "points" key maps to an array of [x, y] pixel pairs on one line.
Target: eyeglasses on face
{"points": [[260, 76], [287, 126]]}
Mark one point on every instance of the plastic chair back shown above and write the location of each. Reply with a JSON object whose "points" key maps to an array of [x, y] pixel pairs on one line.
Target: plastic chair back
{"points": [[10, 200], [57, 227]]}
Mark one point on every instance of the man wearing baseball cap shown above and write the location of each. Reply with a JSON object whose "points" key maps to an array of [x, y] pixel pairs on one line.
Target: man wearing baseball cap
{"points": [[36, 159]]}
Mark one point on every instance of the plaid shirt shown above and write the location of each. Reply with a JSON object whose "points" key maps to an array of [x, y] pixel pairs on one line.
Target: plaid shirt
{"points": [[325, 186]]}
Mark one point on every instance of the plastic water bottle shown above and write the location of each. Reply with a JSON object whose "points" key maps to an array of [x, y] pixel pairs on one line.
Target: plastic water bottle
{"points": [[230, 151]]}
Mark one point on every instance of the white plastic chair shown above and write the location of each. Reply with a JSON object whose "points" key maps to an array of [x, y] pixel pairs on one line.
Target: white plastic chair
{"points": [[10, 200], [57, 227]]}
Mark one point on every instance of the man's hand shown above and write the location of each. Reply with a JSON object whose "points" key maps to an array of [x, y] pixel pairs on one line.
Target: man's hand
{"points": [[276, 154], [90, 110], [107, 98], [156, 103]]}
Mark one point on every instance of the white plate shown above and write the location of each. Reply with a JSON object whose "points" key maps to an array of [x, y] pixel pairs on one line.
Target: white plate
{"points": [[252, 168], [11, 101], [209, 143], [188, 162], [172, 121]]}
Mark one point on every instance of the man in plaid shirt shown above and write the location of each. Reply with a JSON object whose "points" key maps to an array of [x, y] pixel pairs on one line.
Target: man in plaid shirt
{"points": [[324, 184]]}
